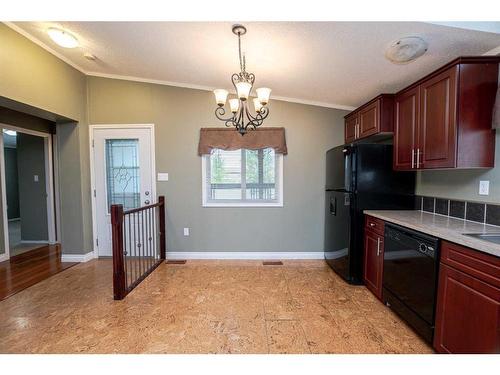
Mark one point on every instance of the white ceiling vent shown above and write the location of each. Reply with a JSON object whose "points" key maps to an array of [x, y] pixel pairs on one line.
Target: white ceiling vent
{"points": [[406, 49]]}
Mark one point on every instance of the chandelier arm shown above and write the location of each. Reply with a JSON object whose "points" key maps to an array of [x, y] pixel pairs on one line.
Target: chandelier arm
{"points": [[219, 112], [259, 119]]}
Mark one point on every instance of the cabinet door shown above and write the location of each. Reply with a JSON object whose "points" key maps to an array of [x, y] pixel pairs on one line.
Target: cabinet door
{"points": [[467, 314], [437, 131], [369, 120], [406, 115], [373, 263], [351, 124]]}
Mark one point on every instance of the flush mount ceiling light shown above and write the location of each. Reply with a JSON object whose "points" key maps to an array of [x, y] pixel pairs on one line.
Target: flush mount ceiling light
{"points": [[242, 118], [62, 38], [407, 49], [12, 133]]}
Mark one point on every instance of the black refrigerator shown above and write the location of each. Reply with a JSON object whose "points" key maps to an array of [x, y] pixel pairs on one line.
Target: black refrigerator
{"points": [[359, 177]]}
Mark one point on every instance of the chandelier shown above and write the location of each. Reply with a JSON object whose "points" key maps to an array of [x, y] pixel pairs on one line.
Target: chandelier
{"points": [[242, 117]]}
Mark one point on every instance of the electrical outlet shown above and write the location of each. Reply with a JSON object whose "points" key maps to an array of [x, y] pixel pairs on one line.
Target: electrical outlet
{"points": [[484, 187], [186, 232]]}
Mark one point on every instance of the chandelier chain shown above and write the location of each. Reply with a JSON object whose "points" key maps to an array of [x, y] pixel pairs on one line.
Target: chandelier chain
{"points": [[242, 61]]}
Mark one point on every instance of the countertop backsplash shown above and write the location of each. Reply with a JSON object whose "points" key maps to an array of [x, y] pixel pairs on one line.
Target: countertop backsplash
{"points": [[475, 211]]}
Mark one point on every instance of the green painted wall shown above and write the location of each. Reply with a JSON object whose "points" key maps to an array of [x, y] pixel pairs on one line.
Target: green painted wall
{"points": [[33, 76], [178, 115], [32, 194]]}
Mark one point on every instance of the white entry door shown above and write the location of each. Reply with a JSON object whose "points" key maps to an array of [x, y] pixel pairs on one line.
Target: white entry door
{"points": [[123, 173]]}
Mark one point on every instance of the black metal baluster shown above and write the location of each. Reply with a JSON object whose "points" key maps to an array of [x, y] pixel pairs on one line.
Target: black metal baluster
{"points": [[148, 258], [125, 249], [142, 242], [151, 237], [156, 232], [135, 247]]}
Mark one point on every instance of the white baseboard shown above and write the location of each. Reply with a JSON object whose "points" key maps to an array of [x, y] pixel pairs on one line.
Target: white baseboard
{"points": [[173, 255], [80, 258], [3, 257]]}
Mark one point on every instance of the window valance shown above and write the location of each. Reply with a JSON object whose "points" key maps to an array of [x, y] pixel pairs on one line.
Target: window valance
{"points": [[230, 139]]}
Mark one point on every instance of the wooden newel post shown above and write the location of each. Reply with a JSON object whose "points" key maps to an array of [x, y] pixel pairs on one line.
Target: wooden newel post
{"points": [[161, 200], [117, 240]]}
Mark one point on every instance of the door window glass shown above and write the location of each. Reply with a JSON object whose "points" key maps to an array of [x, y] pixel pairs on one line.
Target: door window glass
{"points": [[122, 173]]}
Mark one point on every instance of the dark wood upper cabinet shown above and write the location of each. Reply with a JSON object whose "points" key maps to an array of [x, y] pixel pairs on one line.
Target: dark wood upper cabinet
{"points": [[406, 113], [373, 118], [444, 120], [369, 119], [468, 302], [437, 131], [351, 128]]}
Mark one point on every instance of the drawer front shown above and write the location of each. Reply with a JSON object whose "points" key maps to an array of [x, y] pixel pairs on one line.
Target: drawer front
{"points": [[482, 266], [374, 224]]}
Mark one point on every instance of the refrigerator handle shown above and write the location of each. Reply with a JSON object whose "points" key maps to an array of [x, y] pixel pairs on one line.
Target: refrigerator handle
{"points": [[333, 206]]}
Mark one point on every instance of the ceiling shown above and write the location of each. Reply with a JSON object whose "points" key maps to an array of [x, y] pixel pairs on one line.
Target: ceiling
{"points": [[335, 64]]}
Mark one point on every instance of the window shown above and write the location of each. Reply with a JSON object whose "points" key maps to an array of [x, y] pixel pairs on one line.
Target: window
{"points": [[243, 178], [122, 173]]}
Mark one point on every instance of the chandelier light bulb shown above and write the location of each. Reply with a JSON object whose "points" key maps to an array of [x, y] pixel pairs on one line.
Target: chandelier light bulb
{"points": [[263, 93], [243, 89], [220, 96], [257, 104], [234, 104]]}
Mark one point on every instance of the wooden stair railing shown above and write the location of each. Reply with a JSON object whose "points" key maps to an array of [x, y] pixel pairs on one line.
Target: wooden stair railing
{"points": [[139, 244]]}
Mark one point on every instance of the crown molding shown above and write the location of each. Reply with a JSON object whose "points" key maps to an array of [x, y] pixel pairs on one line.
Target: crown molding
{"points": [[208, 88], [160, 82]]}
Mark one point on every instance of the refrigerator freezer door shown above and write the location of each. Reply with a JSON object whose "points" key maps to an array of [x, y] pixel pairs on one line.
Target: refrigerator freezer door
{"points": [[337, 231], [338, 169]]}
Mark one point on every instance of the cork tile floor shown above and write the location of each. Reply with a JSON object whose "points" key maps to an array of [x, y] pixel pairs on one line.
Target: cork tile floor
{"points": [[203, 307]]}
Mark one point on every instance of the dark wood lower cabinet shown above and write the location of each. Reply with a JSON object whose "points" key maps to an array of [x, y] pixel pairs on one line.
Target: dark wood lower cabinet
{"points": [[468, 302], [373, 262]]}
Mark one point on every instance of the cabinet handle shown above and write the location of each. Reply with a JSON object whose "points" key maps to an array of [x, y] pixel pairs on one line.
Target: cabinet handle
{"points": [[412, 157], [378, 246], [418, 158], [372, 224]]}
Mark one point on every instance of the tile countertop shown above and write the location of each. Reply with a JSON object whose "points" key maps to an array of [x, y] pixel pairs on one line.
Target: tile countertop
{"points": [[444, 227]]}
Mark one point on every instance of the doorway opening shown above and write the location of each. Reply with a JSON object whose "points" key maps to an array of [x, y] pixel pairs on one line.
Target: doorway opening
{"points": [[27, 190]]}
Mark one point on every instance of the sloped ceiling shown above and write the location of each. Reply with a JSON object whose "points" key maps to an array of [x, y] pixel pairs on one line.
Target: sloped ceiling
{"points": [[336, 64]]}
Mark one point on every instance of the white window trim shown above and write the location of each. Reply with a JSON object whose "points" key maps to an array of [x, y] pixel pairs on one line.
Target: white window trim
{"points": [[279, 203]]}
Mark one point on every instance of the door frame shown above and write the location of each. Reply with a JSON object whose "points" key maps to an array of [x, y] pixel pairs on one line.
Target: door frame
{"points": [[92, 128], [50, 187]]}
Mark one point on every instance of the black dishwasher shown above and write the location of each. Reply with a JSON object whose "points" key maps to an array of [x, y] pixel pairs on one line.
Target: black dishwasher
{"points": [[411, 261]]}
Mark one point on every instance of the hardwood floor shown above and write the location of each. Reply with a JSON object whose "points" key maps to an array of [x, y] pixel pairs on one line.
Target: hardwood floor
{"points": [[27, 269], [204, 307]]}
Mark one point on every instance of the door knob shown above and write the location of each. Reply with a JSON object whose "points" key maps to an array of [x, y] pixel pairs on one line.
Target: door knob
{"points": [[146, 193], [146, 201]]}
